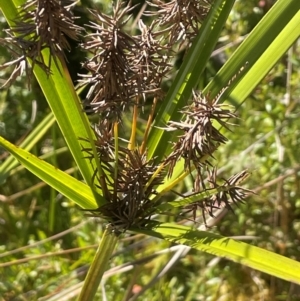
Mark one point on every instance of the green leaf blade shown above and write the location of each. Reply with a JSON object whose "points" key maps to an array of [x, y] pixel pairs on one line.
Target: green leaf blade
{"points": [[253, 47], [237, 251], [27, 144], [70, 187]]}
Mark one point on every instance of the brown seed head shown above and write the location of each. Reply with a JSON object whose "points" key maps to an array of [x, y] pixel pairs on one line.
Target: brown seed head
{"points": [[229, 192], [200, 136], [109, 68], [182, 17], [129, 181], [40, 24]]}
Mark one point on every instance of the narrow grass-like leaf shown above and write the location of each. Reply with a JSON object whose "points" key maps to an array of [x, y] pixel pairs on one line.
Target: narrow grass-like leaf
{"points": [[45, 156], [18, 2], [285, 39], [254, 257], [188, 76], [70, 187], [65, 105], [26, 144], [253, 47]]}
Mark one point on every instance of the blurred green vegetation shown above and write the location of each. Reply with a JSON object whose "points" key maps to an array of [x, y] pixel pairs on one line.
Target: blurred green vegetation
{"points": [[265, 141]]}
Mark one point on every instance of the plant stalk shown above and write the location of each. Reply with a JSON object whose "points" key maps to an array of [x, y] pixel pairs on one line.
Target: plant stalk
{"points": [[98, 266]]}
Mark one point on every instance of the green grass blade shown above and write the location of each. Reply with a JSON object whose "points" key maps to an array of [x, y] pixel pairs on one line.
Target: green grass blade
{"points": [[18, 2], [27, 144], [254, 257], [255, 45], [188, 75], [45, 157], [70, 187], [285, 39], [66, 107]]}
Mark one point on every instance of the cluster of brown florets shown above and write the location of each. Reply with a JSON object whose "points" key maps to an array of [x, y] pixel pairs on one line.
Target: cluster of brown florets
{"points": [[123, 67], [180, 17], [41, 24], [123, 70], [200, 137], [227, 193], [127, 179]]}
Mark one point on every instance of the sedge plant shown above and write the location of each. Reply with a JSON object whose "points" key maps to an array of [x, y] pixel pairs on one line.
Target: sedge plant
{"points": [[130, 175]]}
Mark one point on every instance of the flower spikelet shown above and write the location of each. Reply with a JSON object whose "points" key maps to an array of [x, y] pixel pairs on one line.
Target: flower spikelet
{"points": [[182, 17], [131, 204], [20, 49], [228, 193], [41, 24], [104, 144], [200, 136], [150, 63], [130, 183], [109, 68], [48, 23]]}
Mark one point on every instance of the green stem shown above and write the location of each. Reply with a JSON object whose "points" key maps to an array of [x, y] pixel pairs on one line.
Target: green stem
{"points": [[99, 264]]}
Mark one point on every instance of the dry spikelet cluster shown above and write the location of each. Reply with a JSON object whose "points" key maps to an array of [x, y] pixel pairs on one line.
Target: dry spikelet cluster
{"points": [[150, 65], [124, 69], [109, 68], [199, 139], [40, 24], [200, 136], [181, 17], [129, 182], [227, 193], [131, 204]]}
